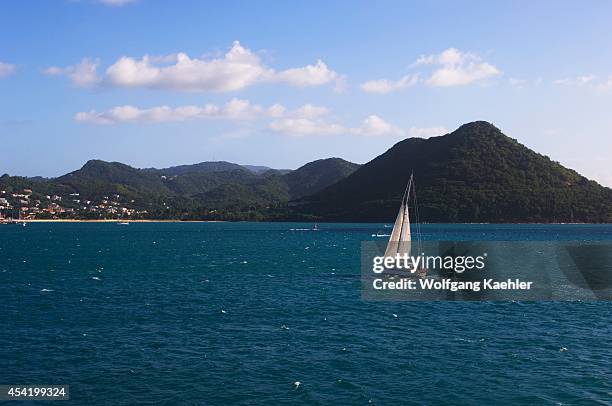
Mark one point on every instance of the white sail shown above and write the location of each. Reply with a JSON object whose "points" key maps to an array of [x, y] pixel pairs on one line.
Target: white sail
{"points": [[400, 240]]}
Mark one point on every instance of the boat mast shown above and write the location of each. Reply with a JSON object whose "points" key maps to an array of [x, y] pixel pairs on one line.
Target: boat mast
{"points": [[405, 206]]}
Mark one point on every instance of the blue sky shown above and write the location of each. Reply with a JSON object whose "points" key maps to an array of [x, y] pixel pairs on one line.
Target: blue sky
{"points": [[159, 83]]}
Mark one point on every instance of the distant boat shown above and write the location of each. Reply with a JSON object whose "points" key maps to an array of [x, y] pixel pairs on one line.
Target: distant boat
{"points": [[123, 223], [314, 228]]}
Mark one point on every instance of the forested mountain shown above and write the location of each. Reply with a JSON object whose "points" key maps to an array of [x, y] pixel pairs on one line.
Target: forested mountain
{"points": [[474, 174], [219, 190]]}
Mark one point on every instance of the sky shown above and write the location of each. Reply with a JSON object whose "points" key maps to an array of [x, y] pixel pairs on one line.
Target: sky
{"points": [[161, 83]]}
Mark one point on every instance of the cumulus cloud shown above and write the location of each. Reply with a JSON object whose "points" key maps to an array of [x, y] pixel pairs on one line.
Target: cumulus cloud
{"points": [[426, 132], [448, 68], [306, 126], [83, 74], [235, 109], [456, 68], [383, 86], [376, 126], [6, 69], [237, 69], [310, 75], [372, 126]]}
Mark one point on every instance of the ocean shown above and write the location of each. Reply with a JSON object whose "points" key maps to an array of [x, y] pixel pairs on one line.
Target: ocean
{"points": [[237, 313]]}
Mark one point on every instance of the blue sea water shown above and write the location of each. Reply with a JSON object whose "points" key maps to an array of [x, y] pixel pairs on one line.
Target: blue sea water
{"points": [[236, 313]]}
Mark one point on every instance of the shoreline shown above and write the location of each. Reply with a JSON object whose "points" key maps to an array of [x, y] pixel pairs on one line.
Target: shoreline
{"points": [[115, 221], [246, 221]]}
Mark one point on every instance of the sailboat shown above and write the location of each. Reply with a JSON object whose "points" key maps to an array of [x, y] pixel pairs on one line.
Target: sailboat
{"points": [[400, 241]]}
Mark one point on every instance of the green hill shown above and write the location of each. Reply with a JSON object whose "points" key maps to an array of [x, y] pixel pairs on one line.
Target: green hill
{"points": [[474, 174], [207, 190]]}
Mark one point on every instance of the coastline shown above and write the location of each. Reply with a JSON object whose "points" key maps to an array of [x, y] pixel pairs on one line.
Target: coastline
{"points": [[116, 221], [242, 221]]}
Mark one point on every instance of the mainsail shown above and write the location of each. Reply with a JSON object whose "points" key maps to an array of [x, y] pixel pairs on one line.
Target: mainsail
{"points": [[400, 240]]}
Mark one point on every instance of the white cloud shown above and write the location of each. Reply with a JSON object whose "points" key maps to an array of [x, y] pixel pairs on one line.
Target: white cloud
{"points": [[450, 68], [82, 74], [237, 69], [117, 3], [305, 126], [310, 111], [277, 110], [383, 86], [310, 75], [457, 68], [376, 126], [575, 81], [426, 132], [235, 109], [372, 126], [6, 69], [307, 111]]}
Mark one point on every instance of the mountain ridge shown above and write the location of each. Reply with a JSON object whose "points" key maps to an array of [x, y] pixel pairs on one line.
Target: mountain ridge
{"points": [[473, 174]]}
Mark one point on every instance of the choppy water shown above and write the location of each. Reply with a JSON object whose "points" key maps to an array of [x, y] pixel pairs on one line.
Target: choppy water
{"points": [[235, 313]]}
